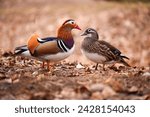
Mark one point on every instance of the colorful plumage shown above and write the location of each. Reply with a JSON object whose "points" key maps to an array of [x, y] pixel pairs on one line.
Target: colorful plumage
{"points": [[52, 49], [22, 51], [100, 51]]}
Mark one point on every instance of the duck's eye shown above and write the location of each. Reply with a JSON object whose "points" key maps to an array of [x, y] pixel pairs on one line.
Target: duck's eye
{"points": [[72, 22], [89, 30], [69, 22]]}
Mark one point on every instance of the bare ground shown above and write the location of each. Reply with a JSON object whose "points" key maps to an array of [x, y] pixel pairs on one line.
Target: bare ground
{"points": [[28, 80]]}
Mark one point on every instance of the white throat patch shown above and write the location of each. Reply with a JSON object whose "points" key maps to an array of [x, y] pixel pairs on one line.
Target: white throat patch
{"points": [[89, 35]]}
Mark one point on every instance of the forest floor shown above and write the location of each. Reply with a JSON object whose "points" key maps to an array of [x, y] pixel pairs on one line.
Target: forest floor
{"points": [[19, 80]]}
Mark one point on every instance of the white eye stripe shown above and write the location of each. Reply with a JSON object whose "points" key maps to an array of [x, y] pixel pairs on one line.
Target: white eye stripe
{"points": [[71, 22], [89, 30]]}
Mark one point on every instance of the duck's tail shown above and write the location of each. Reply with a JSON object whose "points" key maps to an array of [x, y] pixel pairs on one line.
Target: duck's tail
{"points": [[122, 57], [21, 49]]}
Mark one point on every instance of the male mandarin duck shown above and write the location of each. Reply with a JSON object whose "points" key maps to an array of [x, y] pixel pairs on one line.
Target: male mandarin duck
{"points": [[51, 49], [100, 51]]}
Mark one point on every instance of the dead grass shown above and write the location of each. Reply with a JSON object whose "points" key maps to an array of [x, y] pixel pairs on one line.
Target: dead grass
{"points": [[67, 81]]}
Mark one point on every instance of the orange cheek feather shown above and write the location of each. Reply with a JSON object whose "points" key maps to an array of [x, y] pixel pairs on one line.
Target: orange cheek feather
{"points": [[33, 43]]}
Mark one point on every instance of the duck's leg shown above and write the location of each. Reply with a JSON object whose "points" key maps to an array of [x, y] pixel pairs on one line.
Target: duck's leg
{"points": [[48, 65], [43, 64], [112, 65], [104, 66], [96, 66]]}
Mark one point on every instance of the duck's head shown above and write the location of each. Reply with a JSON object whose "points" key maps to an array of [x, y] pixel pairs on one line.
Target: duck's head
{"points": [[90, 33], [70, 24]]}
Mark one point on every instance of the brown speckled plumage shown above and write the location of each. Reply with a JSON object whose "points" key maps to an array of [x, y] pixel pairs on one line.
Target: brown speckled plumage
{"points": [[92, 45]]}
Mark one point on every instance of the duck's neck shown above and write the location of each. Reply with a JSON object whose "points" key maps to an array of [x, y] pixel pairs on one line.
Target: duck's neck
{"points": [[66, 36]]}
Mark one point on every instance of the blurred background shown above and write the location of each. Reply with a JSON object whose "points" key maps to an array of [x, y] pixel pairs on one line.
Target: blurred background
{"points": [[123, 23]]}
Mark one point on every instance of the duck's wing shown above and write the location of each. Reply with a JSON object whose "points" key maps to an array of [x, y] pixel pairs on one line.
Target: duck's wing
{"points": [[110, 52], [46, 46]]}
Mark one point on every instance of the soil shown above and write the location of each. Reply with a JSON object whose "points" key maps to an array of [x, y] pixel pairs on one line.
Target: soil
{"points": [[25, 79]]}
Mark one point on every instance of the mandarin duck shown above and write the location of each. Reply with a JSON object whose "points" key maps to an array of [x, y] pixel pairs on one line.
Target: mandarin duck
{"points": [[100, 51], [51, 49]]}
